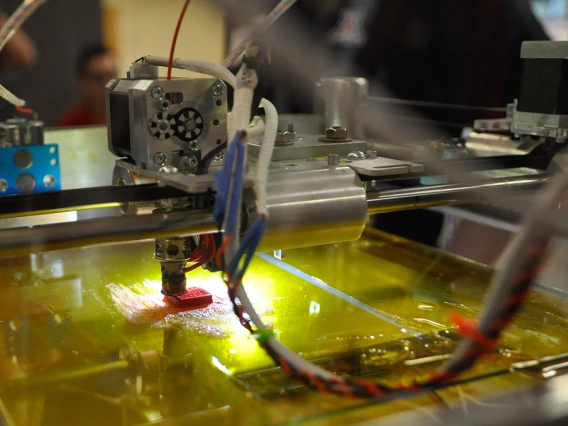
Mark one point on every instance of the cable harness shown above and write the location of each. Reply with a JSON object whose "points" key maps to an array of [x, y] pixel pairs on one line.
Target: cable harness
{"points": [[509, 289]]}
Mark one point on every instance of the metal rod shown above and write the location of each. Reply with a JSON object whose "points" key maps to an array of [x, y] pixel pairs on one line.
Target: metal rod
{"points": [[117, 229], [396, 101], [122, 229], [438, 195]]}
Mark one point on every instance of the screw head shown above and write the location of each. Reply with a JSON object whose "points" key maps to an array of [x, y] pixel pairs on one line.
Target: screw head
{"points": [[337, 133], [356, 155], [217, 90], [219, 157], [194, 146], [169, 170], [3, 185], [166, 105], [282, 137], [159, 158], [159, 248], [157, 92], [191, 161], [49, 181], [333, 160]]}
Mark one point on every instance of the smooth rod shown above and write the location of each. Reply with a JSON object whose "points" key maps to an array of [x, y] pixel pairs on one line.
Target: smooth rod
{"points": [[422, 197], [117, 229], [120, 229]]}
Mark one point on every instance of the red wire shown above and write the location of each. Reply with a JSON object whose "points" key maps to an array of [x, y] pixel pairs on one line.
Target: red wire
{"points": [[204, 254], [219, 256], [24, 110], [174, 41]]}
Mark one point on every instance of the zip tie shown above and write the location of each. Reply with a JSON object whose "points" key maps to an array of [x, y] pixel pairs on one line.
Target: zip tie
{"points": [[263, 336]]}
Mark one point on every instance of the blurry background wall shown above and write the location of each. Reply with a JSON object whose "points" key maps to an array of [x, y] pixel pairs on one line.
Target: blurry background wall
{"points": [[134, 28], [130, 28], [554, 14], [60, 29]]}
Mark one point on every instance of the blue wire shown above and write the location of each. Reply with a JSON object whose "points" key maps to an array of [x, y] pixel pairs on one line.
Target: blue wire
{"points": [[251, 251], [248, 240], [230, 185], [223, 180], [232, 226], [248, 247]]}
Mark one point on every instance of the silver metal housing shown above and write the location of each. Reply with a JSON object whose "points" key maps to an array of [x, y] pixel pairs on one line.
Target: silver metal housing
{"points": [[159, 123]]}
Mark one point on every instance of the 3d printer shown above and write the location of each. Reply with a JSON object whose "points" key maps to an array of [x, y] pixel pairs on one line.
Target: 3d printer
{"points": [[197, 191]]}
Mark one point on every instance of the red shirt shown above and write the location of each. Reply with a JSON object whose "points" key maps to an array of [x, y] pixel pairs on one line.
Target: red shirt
{"points": [[79, 115]]}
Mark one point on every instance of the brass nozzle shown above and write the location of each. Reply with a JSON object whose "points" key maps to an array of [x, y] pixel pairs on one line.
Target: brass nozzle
{"points": [[173, 279]]}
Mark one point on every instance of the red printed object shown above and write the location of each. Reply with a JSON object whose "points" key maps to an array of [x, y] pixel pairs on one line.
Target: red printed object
{"points": [[195, 296]]}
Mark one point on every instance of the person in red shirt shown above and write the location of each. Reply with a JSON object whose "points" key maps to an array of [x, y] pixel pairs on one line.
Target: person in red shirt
{"points": [[95, 67]]}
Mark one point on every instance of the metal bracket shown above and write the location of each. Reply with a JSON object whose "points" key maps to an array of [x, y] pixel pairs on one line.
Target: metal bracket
{"points": [[384, 167], [310, 147]]}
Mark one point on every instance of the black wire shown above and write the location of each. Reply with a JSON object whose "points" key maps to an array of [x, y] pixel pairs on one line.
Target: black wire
{"points": [[203, 167], [440, 400]]}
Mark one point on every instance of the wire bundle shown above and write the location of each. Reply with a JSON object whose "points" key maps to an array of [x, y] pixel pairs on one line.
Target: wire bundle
{"points": [[276, 13], [508, 291], [204, 253], [229, 186], [509, 288]]}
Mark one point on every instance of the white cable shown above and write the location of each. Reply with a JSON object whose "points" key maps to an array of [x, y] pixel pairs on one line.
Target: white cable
{"points": [[534, 228], [10, 97], [15, 21], [265, 156], [293, 358], [7, 31], [276, 13], [247, 80], [202, 67], [256, 128]]}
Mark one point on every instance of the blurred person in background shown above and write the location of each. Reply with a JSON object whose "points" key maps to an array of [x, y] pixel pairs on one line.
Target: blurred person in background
{"points": [[95, 67], [464, 52], [20, 52]]}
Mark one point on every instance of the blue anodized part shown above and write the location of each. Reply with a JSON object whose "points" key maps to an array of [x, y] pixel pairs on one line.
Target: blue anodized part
{"points": [[29, 168]]}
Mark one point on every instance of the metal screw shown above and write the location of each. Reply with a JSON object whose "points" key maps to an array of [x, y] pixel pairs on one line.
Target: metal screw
{"points": [[371, 154], [157, 92], [219, 157], [191, 161], [292, 132], [333, 160], [337, 133], [282, 137], [3, 185], [169, 170], [217, 90], [194, 146], [159, 158], [49, 181], [159, 249], [356, 156], [166, 105]]}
